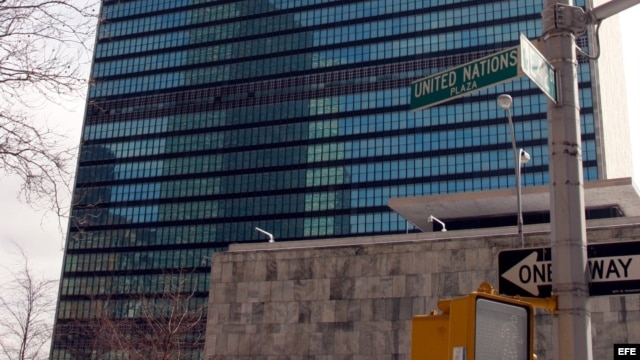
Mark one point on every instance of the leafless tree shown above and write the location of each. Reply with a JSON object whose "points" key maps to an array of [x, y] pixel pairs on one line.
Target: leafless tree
{"points": [[44, 49], [168, 325], [27, 304]]}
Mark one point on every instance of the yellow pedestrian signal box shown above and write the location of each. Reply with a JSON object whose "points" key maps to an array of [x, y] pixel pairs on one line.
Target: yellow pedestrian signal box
{"points": [[479, 326]]}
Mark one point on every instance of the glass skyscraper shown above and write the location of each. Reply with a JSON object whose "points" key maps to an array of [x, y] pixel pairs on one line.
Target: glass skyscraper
{"points": [[206, 119]]}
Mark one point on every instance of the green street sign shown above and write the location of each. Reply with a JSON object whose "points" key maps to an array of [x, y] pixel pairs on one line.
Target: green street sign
{"points": [[457, 82], [538, 68], [491, 70]]}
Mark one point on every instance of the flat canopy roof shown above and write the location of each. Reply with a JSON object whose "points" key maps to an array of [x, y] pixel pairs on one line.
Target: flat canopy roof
{"points": [[479, 204]]}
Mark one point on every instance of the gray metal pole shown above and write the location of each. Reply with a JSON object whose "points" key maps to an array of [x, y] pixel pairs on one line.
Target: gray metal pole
{"points": [[516, 164], [572, 325], [519, 186]]}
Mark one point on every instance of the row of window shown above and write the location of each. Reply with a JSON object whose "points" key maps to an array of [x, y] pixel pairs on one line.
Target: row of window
{"points": [[298, 203], [254, 160], [135, 284], [308, 153], [346, 125], [153, 125], [221, 233], [312, 226], [276, 44], [140, 7], [419, 142], [284, 92], [113, 9], [415, 168], [160, 190], [268, 23], [279, 204], [297, 228], [477, 111], [141, 237], [363, 149], [299, 62], [118, 309], [59, 353], [326, 176], [140, 260], [290, 63]]}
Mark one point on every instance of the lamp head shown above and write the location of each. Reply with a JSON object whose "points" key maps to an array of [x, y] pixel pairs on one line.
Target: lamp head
{"points": [[524, 157], [504, 101]]}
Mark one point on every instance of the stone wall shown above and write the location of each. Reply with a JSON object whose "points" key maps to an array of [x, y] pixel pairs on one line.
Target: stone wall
{"points": [[355, 298]]}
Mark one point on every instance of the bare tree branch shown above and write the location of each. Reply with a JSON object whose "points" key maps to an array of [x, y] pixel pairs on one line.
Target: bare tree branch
{"points": [[163, 326], [27, 304], [44, 53]]}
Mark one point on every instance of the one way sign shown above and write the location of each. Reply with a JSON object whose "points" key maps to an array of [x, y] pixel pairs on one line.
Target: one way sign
{"points": [[614, 269]]}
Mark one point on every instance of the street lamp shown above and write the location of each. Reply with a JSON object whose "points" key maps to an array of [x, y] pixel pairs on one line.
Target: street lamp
{"points": [[270, 235], [519, 157], [433, 218]]}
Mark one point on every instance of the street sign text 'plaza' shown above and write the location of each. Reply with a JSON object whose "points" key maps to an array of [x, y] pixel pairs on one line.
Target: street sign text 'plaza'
{"points": [[482, 73], [454, 83]]}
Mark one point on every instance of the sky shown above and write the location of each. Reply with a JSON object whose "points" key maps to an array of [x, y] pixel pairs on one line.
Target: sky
{"points": [[38, 232]]}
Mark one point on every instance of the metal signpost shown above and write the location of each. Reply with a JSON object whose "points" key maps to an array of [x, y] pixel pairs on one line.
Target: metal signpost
{"points": [[561, 23]]}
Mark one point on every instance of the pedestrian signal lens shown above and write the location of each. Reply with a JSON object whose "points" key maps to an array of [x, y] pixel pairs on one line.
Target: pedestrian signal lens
{"points": [[502, 331]]}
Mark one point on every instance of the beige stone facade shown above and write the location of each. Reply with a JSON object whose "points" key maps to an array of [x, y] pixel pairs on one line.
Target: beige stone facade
{"points": [[355, 298]]}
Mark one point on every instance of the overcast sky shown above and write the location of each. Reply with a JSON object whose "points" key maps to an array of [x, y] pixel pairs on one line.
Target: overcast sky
{"points": [[39, 234]]}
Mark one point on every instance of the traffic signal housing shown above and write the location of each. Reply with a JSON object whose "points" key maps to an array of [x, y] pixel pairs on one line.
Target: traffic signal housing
{"points": [[479, 326]]}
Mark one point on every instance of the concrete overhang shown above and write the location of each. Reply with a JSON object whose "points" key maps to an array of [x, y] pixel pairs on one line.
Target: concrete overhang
{"points": [[597, 194]]}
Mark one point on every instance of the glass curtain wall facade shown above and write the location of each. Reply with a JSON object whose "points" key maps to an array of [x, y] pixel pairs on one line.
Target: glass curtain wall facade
{"points": [[207, 119]]}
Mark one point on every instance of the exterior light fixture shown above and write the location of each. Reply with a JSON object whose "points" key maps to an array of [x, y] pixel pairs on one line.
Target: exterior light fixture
{"points": [[433, 218], [519, 157], [270, 235]]}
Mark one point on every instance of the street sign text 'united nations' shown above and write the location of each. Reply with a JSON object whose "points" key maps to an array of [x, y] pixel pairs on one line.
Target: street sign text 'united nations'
{"points": [[454, 83], [491, 70]]}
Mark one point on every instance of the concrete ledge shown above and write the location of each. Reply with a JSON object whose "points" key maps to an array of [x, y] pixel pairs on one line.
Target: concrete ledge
{"points": [[597, 194], [529, 232]]}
